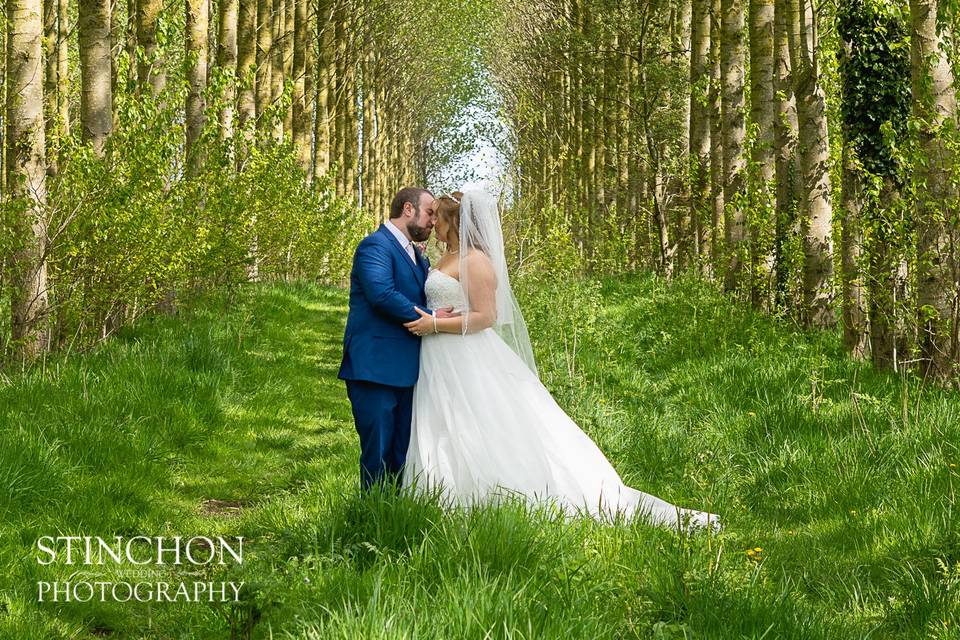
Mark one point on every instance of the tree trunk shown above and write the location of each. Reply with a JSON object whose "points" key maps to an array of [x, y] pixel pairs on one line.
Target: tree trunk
{"points": [[227, 53], [150, 68], [855, 327], [885, 349], [734, 133], [714, 246], [934, 105], [309, 90], [699, 152], [131, 42], [26, 177], [277, 76], [679, 187], [301, 117], [196, 71], [264, 50], [340, 96], [288, 27], [63, 67], [814, 153], [96, 97], [321, 121], [246, 76], [762, 110], [351, 121], [51, 80], [787, 171]]}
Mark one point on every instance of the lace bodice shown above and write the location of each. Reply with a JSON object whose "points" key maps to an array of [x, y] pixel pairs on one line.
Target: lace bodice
{"points": [[443, 291]]}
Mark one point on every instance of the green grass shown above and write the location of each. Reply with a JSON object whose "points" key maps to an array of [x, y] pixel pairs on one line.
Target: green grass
{"points": [[841, 475]]}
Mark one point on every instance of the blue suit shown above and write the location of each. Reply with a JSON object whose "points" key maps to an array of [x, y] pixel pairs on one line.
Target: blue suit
{"points": [[381, 358]]}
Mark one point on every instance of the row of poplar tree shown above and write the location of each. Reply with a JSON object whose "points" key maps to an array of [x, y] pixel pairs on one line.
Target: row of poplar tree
{"points": [[152, 147], [802, 153]]}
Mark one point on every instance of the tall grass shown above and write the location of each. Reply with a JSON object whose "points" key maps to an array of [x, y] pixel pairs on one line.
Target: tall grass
{"points": [[841, 476]]}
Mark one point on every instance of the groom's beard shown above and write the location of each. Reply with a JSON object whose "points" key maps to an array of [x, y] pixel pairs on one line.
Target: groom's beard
{"points": [[418, 233]]}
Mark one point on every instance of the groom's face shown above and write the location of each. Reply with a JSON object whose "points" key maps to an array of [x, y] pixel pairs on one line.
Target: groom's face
{"points": [[422, 219]]}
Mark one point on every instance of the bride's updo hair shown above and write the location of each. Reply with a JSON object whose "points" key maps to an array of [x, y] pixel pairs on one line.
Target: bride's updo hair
{"points": [[449, 210]]}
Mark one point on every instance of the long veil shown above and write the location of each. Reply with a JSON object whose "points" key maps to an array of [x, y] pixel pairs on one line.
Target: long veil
{"points": [[480, 229]]}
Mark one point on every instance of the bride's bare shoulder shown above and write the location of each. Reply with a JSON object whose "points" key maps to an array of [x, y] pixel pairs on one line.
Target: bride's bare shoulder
{"points": [[477, 257], [480, 265]]}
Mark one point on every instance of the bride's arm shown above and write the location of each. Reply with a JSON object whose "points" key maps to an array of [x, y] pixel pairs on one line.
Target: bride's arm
{"points": [[482, 291]]}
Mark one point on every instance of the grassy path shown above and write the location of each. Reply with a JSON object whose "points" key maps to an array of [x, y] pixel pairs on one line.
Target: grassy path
{"points": [[229, 420]]}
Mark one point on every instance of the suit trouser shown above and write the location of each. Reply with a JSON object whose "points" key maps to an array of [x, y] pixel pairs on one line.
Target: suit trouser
{"points": [[382, 416]]}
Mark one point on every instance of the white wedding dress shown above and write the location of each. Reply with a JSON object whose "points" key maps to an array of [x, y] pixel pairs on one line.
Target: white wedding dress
{"points": [[490, 428]]}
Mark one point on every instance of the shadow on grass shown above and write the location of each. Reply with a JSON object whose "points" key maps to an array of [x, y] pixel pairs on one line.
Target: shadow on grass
{"points": [[229, 402]]}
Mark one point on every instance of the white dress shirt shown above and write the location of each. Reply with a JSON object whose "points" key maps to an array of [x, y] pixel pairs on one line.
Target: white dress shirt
{"points": [[405, 242]]}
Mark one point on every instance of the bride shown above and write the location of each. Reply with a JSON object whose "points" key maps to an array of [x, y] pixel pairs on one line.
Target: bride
{"points": [[483, 424]]}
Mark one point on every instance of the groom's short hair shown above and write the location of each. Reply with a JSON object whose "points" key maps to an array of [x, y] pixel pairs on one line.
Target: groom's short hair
{"points": [[405, 195]]}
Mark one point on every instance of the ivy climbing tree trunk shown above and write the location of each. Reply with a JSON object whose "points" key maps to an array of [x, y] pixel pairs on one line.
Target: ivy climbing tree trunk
{"points": [[938, 238]]}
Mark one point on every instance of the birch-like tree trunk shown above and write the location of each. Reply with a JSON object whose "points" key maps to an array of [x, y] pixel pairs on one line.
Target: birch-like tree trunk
{"points": [[150, 69], [96, 65], [227, 54], [51, 75], [25, 177], [814, 155], [732, 63], [699, 152], [196, 71], [63, 67], [277, 72], [762, 115], [301, 117], [938, 240], [264, 67], [338, 74], [715, 244], [288, 28], [321, 121], [787, 170], [246, 75], [130, 42]]}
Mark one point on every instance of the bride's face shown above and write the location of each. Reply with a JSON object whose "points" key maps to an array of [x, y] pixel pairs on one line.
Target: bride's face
{"points": [[442, 226]]}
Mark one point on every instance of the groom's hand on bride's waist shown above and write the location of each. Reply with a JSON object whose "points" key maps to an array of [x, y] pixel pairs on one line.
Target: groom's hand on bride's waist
{"points": [[427, 322]]}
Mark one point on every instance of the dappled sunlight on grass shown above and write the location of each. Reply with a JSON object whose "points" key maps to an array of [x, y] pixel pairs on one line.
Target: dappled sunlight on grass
{"points": [[228, 419]]}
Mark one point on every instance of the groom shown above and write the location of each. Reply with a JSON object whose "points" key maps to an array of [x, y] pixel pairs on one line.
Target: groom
{"points": [[381, 359]]}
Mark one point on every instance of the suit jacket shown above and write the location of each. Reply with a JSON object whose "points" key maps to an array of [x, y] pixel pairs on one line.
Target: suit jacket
{"points": [[384, 287]]}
